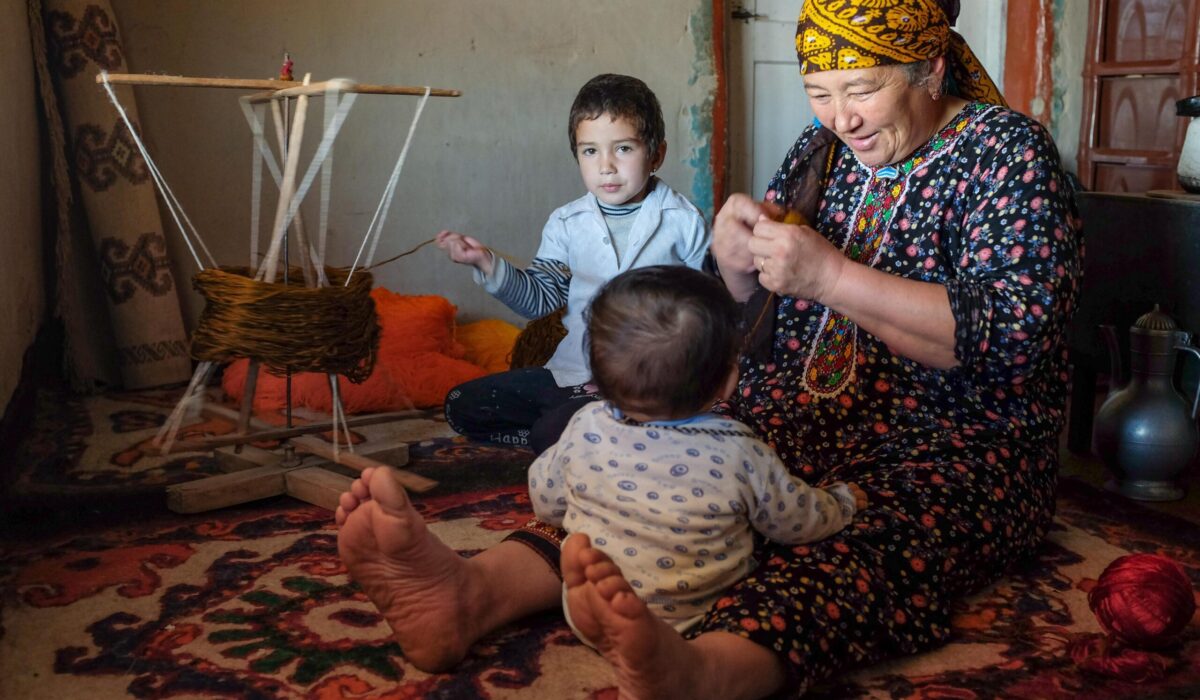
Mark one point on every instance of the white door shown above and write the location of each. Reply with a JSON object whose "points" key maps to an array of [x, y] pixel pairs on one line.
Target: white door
{"points": [[768, 107]]}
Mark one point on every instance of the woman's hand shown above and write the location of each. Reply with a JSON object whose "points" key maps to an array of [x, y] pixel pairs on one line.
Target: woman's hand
{"points": [[733, 229], [466, 250], [912, 317], [794, 260]]}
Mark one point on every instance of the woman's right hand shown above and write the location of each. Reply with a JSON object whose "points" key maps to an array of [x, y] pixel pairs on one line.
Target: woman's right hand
{"points": [[465, 250], [733, 228]]}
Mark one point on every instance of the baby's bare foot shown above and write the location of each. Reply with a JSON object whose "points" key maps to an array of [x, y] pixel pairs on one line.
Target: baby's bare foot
{"points": [[650, 658]]}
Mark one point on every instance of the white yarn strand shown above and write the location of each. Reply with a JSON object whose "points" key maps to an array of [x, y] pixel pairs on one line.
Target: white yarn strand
{"points": [[386, 201], [323, 151], [291, 146], [331, 96], [189, 404], [256, 188], [257, 127], [339, 417], [169, 198], [391, 193]]}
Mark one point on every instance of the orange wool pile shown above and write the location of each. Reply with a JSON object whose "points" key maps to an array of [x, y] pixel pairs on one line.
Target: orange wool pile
{"points": [[489, 343], [420, 359]]}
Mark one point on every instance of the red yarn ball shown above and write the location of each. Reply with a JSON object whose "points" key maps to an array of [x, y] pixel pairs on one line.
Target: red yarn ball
{"points": [[1143, 600]]}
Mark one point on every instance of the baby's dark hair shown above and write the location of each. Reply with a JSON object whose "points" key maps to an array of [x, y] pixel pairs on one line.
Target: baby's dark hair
{"points": [[619, 96], [662, 340]]}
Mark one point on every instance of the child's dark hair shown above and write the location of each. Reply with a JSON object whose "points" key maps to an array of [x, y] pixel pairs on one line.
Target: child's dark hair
{"points": [[662, 340], [619, 96]]}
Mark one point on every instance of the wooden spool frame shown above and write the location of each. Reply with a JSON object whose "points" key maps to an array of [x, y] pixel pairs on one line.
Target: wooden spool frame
{"points": [[262, 476]]}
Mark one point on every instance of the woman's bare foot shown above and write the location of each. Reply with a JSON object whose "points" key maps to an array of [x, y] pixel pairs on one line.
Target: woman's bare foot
{"points": [[650, 658], [425, 590]]}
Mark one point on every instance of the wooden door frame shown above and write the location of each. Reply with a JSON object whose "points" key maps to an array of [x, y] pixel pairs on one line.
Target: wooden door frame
{"points": [[1028, 58], [719, 152]]}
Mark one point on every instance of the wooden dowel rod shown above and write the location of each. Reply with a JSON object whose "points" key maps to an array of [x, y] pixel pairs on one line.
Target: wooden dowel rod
{"points": [[364, 89], [273, 85], [247, 409], [410, 481], [265, 431], [212, 409], [313, 90]]}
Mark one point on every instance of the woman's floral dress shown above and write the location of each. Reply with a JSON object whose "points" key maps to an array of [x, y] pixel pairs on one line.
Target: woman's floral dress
{"points": [[959, 466]]}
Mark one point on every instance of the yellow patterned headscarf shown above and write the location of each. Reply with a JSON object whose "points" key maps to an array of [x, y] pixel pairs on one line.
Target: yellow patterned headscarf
{"points": [[844, 34]]}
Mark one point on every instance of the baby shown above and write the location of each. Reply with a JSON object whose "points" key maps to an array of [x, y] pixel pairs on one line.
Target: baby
{"points": [[669, 491]]}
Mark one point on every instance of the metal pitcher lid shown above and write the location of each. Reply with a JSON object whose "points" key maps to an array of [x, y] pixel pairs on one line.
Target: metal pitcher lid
{"points": [[1156, 320]]}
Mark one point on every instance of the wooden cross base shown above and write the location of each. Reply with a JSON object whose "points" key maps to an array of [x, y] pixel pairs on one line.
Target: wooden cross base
{"points": [[256, 473]]}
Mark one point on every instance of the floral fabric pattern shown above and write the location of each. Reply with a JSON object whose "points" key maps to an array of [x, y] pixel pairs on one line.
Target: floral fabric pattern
{"points": [[959, 465]]}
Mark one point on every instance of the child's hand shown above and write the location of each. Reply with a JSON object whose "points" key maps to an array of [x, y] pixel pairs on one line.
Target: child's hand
{"points": [[466, 250]]}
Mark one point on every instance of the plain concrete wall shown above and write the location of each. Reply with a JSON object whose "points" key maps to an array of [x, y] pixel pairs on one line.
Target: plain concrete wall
{"points": [[493, 163], [21, 281]]}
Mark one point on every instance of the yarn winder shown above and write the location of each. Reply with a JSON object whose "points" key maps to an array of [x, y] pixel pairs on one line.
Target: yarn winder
{"points": [[316, 318]]}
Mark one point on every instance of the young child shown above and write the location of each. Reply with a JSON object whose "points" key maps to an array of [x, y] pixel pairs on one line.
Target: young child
{"points": [[670, 492], [628, 218]]}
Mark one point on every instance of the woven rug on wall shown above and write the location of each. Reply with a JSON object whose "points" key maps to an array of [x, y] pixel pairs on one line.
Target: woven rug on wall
{"points": [[253, 602]]}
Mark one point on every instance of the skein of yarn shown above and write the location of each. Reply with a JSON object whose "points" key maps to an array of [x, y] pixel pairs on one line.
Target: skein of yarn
{"points": [[1142, 602]]}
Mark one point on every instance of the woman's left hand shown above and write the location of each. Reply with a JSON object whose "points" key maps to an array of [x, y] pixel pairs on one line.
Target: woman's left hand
{"points": [[795, 261]]}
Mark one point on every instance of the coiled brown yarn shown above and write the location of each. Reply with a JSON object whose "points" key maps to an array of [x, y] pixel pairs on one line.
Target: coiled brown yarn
{"points": [[331, 329], [536, 344]]}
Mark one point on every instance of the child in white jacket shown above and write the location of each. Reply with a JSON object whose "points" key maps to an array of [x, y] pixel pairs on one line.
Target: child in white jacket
{"points": [[628, 218]]}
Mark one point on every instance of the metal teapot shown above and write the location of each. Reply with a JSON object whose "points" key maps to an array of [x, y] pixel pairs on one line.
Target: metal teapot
{"points": [[1145, 431]]}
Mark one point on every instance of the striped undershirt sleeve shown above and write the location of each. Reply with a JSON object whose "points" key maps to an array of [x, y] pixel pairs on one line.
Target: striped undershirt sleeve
{"points": [[537, 290]]}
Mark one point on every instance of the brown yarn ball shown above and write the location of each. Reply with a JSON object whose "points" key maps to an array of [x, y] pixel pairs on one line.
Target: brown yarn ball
{"points": [[288, 327], [536, 344]]}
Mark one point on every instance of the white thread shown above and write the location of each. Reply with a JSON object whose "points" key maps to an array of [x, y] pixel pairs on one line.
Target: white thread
{"points": [[299, 193], [323, 151], [259, 131], [388, 192], [256, 123], [255, 188], [339, 417], [168, 196], [331, 95], [189, 404], [336, 405]]}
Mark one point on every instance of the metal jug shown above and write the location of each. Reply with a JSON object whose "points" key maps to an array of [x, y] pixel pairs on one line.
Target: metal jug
{"points": [[1145, 431]]}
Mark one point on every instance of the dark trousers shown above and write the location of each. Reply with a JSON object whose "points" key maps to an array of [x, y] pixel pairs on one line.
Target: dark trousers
{"points": [[518, 407]]}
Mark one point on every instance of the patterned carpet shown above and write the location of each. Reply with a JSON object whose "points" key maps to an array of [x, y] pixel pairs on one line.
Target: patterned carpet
{"points": [[252, 601]]}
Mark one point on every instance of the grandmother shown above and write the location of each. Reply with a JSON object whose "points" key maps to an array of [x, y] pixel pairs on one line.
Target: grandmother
{"points": [[907, 337]]}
